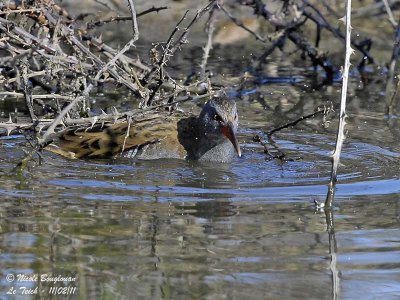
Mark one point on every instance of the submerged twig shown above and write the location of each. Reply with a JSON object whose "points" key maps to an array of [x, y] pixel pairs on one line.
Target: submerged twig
{"points": [[280, 154]]}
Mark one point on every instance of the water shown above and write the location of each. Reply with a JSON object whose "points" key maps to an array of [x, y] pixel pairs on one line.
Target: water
{"points": [[177, 230]]}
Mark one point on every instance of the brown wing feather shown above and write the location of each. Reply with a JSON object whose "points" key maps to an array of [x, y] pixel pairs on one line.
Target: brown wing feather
{"points": [[112, 139]]}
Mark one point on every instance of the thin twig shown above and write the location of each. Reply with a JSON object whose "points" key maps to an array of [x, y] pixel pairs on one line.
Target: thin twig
{"points": [[182, 39], [34, 97], [169, 50], [104, 67], [19, 11], [44, 140], [390, 14], [162, 60], [26, 35], [391, 86], [134, 21], [277, 43], [210, 27], [90, 25], [320, 110], [325, 24], [370, 9], [27, 90], [241, 25], [132, 113], [127, 46]]}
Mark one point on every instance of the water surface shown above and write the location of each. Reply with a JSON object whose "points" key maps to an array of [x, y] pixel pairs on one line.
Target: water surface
{"points": [[178, 230]]}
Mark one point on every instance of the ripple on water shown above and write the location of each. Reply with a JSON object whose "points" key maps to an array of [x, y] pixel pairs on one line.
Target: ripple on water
{"points": [[251, 177]]}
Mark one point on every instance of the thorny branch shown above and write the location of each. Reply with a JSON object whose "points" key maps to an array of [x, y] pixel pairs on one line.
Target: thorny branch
{"points": [[169, 49], [99, 23], [114, 116], [64, 64], [342, 113]]}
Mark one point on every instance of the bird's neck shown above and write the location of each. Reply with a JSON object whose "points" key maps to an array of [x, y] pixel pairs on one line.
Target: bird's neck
{"points": [[212, 146], [201, 145]]}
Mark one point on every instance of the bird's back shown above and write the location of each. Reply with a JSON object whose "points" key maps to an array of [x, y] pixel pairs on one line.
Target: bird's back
{"points": [[148, 136]]}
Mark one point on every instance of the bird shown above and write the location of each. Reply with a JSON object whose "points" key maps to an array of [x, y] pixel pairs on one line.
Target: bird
{"points": [[210, 136]]}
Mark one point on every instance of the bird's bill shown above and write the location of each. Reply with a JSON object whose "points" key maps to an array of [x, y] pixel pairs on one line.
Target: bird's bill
{"points": [[228, 132]]}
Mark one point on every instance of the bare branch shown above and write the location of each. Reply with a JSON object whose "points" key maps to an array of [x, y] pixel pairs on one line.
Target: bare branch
{"points": [[210, 27]]}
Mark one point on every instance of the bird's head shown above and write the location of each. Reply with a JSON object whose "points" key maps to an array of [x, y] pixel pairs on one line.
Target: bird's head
{"points": [[219, 119]]}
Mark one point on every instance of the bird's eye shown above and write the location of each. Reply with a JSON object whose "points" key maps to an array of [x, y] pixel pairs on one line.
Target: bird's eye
{"points": [[217, 118], [236, 117]]}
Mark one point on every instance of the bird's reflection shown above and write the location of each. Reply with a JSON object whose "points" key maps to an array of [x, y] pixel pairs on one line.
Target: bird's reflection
{"points": [[207, 209], [210, 176]]}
